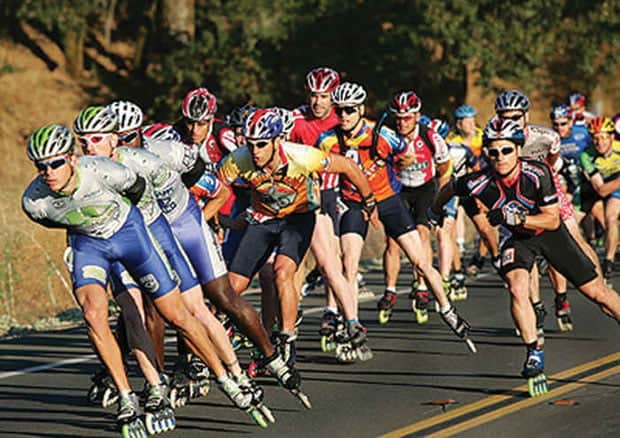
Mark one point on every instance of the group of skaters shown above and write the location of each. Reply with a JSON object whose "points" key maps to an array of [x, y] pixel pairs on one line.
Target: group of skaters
{"points": [[177, 220]]}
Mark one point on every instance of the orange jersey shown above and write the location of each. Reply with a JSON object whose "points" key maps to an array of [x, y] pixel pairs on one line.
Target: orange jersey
{"points": [[292, 188], [378, 169]]}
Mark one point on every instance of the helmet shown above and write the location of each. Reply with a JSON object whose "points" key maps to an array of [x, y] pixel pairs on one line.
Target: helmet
{"points": [[576, 99], [406, 102], [465, 111], [287, 120], [348, 93], [503, 129], [161, 131], [199, 105], [263, 124], [440, 126], [601, 124], [560, 111], [95, 119], [512, 100], [238, 115], [48, 141], [322, 80], [128, 115]]}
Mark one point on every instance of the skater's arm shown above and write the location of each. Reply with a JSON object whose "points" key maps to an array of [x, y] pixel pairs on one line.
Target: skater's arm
{"points": [[443, 196]]}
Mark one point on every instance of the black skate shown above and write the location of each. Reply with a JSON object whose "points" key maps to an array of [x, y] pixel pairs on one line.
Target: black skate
{"points": [[345, 352], [313, 281], [608, 269], [359, 341], [288, 377], [285, 345], [128, 418], [385, 305], [158, 415], [102, 389], [328, 332], [459, 326], [242, 398], [190, 380], [541, 314], [458, 286], [258, 395], [533, 371], [563, 313]]}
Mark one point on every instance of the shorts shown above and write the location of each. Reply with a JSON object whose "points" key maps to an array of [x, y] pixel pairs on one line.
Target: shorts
{"points": [[133, 247], [451, 208], [165, 243], [418, 200], [199, 243], [393, 214], [329, 206], [587, 197], [558, 247], [289, 236]]}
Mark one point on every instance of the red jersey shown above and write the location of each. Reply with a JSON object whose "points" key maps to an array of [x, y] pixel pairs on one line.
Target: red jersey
{"points": [[306, 131]]}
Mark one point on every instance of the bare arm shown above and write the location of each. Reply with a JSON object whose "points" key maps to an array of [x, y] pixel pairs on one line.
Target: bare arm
{"points": [[213, 206], [547, 219], [604, 188], [443, 196]]}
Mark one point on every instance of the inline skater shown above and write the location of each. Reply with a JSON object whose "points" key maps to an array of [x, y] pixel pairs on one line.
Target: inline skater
{"points": [[103, 228], [375, 151], [577, 103], [520, 194], [427, 166]]}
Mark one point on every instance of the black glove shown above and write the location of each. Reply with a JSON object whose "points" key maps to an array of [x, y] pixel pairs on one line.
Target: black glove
{"points": [[435, 219], [495, 217], [507, 215], [369, 203]]}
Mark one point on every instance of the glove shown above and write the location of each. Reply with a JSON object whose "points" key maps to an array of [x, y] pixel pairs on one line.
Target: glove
{"points": [[495, 217], [508, 215], [369, 203], [435, 219]]}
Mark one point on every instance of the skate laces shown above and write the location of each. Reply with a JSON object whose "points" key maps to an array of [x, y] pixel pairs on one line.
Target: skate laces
{"points": [[127, 406], [197, 369], [234, 392]]}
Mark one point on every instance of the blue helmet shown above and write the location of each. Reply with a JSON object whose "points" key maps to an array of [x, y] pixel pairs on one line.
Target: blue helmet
{"points": [[560, 111], [424, 120], [440, 126], [263, 124], [465, 111], [503, 129]]}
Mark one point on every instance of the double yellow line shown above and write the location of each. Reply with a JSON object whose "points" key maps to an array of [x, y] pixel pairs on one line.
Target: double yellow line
{"points": [[505, 410]]}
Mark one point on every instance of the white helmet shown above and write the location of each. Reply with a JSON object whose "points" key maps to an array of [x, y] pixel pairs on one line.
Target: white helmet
{"points": [[512, 100], [95, 119], [48, 141], [128, 115], [349, 93], [503, 129]]}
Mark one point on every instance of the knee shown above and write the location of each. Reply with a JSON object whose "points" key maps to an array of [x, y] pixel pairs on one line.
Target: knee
{"points": [[283, 274], [96, 316], [520, 292]]}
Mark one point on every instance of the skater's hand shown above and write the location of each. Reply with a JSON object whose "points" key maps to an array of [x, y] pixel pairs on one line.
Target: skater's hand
{"points": [[506, 215], [434, 218], [369, 207], [495, 217]]}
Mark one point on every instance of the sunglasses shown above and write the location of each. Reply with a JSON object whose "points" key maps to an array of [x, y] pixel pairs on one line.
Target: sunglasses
{"points": [[54, 164], [345, 109], [258, 144], [513, 118], [198, 122], [560, 123], [93, 139], [128, 138], [495, 153], [404, 118]]}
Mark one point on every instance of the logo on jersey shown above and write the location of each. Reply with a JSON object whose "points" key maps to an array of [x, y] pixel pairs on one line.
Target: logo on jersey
{"points": [[58, 203], [276, 195], [508, 256], [94, 272], [149, 283]]}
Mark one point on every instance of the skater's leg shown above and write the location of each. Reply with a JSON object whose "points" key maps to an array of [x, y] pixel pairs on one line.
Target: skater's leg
{"points": [[93, 300], [156, 328], [608, 299], [521, 306], [352, 244], [284, 269], [445, 245], [391, 263], [270, 307], [612, 211]]}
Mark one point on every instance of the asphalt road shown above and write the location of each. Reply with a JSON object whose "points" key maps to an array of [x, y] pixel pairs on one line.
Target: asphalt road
{"points": [[421, 382]]}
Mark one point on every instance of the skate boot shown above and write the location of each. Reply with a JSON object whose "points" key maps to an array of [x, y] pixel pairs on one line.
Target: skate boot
{"points": [[475, 265], [189, 380], [541, 313], [258, 395], [533, 371], [345, 352], [241, 398], [420, 304], [448, 289], [288, 377], [385, 305], [363, 292], [458, 285], [128, 417], [158, 415], [359, 340], [102, 389], [313, 282], [608, 269], [328, 332], [285, 345], [562, 313], [459, 326]]}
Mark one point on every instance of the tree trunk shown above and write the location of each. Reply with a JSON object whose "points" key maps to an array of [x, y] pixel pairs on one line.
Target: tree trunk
{"points": [[74, 50], [109, 21], [178, 20], [144, 33]]}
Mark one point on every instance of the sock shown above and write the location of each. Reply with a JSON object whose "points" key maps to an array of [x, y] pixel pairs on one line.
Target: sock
{"points": [[390, 289]]}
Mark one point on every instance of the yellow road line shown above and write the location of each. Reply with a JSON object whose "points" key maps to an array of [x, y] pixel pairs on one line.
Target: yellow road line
{"points": [[490, 416], [472, 407]]}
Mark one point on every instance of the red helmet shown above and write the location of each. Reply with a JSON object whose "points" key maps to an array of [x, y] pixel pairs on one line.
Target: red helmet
{"points": [[199, 105], [406, 102], [322, 80]]}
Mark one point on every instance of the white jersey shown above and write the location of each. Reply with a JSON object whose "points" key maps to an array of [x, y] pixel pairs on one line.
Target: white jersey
{"points": [[96, 208], [171, 194], [461, 158]]}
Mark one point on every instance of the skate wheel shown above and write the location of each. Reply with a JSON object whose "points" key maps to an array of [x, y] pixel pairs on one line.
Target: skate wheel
{"points": [[517, 332], [305, 400], [177, 399], [324, 342], [471, 345], [267, 413], [421, 316], [248, 344], [135, 429], [384, 316], [93, 394], [236, 342], [258, 417], [537, 386], [565, 324], [109, 397], [364, 353]]}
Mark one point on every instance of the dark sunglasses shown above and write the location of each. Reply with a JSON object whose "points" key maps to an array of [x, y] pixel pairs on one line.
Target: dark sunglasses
{"points": [[513, 118], [494, 153], [128, 138], [258, 144], [54, 164], [345, 109], [560, 123]]}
